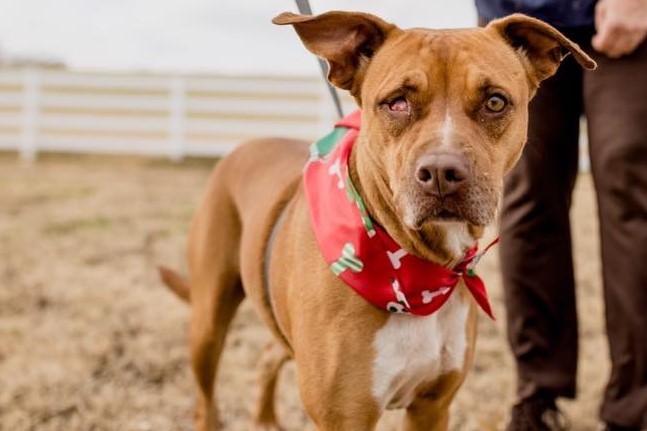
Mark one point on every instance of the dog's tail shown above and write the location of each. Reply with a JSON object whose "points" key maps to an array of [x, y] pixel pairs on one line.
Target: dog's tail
{"points": [[174, 281]]}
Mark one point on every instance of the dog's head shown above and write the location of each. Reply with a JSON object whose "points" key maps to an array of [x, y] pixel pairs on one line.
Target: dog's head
{"points": [[444, 111]]}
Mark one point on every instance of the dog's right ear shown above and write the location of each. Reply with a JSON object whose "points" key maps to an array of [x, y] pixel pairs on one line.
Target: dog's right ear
{"points": [[347, 40]]}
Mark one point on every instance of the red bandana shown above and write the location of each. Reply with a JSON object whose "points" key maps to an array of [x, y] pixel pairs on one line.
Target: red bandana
{"points": [[360, 251]]}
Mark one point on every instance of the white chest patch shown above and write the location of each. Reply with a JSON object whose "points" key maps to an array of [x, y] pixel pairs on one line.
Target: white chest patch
{"points": [[412, 350]]}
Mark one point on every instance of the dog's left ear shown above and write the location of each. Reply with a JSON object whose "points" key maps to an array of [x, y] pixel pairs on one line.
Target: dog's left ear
{"points": [[347, 40], [540, 45]]}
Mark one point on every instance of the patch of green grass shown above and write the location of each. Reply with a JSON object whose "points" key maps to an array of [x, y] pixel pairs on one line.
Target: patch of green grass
{"points": [[206, 163], [70, 226]]}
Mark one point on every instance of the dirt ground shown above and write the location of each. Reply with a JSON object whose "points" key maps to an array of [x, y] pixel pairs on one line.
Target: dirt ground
{"points": [[90, 340]]}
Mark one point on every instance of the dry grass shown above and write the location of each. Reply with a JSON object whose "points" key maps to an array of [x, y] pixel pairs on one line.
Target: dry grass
{"points": [[89, 339]]}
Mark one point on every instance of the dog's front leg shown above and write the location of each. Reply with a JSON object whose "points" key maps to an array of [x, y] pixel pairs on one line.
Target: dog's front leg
{"points": [[334, 366], [430, 410], [341, 420], [427, 417], [336, 401]]}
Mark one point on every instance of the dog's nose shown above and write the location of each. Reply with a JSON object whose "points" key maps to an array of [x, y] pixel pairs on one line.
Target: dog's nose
{"points": [[442, 173]]}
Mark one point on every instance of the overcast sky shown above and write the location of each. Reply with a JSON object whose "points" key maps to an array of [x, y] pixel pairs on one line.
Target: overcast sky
{"points": [[230, 36]]}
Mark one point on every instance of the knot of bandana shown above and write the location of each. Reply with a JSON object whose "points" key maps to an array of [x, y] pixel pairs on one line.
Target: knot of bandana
{"points": [[361, 252]]}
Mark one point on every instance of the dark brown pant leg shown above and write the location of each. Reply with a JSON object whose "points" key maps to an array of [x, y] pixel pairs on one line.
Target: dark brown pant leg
{"points": [[535, 248], [616, 105]]}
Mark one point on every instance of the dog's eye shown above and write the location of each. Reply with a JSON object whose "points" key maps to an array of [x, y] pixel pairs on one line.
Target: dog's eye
{"points": [[399, 104], [496, 103]]}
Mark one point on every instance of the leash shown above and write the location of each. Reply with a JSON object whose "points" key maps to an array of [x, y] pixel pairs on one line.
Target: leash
{"points": [[304, 8]]}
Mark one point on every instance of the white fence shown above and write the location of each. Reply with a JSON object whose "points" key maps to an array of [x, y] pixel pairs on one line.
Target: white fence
{"points": [[152, 114]]}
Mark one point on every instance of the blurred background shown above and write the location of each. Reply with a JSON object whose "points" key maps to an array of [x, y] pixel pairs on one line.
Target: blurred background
{"points": [[112, 114]]}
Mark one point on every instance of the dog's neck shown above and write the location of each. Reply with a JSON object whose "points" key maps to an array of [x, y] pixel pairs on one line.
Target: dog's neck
{"points": [[443, 243]]}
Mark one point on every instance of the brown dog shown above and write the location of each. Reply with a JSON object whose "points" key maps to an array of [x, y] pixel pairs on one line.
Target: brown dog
{"points": [[444, 118]]}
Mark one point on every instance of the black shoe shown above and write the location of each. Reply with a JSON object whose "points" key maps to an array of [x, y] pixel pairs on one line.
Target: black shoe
{"points": [[537, 413], [612, 427]]}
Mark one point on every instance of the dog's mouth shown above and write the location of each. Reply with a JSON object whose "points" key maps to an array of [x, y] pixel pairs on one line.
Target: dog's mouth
{"points": [[423, 212], [440, 215], [477, 209], [447, 215]]}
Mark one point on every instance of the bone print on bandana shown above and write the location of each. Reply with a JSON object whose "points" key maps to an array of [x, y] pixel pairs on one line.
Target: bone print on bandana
{"points": [[360, 252]]}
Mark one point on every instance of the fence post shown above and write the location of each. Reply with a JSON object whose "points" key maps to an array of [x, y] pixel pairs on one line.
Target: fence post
{"points": [[177, 118], [30, 114]]}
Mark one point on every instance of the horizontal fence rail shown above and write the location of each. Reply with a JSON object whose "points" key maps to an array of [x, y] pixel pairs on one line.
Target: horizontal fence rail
{"points": [[153, 114]]}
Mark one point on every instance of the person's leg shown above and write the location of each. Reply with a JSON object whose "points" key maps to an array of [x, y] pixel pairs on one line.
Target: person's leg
{"points": [[535, 249], [616, 106]]}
